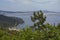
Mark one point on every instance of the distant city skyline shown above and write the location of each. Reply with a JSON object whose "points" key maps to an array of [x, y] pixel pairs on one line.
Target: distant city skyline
{"points": [[30, 5]]}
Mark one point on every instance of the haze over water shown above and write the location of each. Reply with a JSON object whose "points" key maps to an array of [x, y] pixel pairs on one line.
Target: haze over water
{"points": [[52, 18]]}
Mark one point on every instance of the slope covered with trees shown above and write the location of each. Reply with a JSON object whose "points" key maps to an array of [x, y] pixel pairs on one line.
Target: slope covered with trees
{"points": [[6, 21]]}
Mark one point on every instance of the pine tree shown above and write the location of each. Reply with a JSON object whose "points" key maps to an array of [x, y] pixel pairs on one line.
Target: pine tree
{"points": [[38, 18]]}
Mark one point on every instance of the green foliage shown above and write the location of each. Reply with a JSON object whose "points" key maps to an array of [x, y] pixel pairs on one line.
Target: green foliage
{"points": [[49, 33], [1, 33], [38, 18]]}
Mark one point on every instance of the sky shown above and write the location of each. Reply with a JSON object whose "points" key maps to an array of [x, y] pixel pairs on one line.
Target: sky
{"points": [[30, 5]]}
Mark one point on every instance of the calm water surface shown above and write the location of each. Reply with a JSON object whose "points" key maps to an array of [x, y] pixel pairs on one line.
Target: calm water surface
{"points": [[52, 18]]}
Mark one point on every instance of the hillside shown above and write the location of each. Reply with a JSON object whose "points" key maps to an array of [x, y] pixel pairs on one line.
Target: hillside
{"points": [[6, 21]]}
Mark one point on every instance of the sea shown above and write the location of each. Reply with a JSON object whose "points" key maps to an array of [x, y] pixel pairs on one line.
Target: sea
{"points": [[51, 18]]}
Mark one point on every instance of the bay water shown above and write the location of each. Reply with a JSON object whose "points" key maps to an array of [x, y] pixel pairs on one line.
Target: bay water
{"points": [[52, 18]]}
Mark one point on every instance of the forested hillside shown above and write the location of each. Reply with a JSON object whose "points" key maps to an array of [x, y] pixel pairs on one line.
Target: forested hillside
{"points": [[6, 21]]}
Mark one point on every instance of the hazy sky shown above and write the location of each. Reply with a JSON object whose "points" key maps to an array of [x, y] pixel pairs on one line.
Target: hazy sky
{"points": [[30, 5]]}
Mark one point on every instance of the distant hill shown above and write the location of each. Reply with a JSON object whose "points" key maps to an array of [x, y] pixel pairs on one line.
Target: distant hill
{"points": [[6, 21], [1, 11], [45, 11]]}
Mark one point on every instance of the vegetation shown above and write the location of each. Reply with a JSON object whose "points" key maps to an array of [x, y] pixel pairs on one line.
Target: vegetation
{"points": [[46, 32], [6, 21], [38, 18], [49, 33]]}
